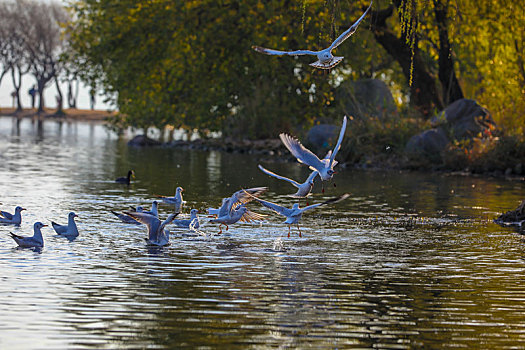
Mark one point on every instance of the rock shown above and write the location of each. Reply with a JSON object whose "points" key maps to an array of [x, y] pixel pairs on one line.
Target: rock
{"points": [[466, 119], [512, 217], [322, 136], [429, 142], [365, 98], [142, 141]]}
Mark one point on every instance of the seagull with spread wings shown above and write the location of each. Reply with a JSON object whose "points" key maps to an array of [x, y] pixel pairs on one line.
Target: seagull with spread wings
{"points": [[324, 166], [157, 234], [303, 189], [325, 59], [293, 215]]}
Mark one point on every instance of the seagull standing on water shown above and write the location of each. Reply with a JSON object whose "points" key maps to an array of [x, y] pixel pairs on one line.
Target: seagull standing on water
{"points": [[157, 234], [126, 180], [325, 166], [37, 241], [325, 59], [192, 222], [13, 219], [69, 230], [303, 190], [293, 215], [176, 200]]}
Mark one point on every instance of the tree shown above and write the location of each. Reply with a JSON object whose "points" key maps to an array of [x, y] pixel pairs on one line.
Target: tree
{"points": [[43, 41]]}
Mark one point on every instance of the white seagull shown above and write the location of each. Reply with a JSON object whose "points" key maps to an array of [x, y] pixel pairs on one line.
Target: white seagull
{"points": [[191, 223], [157, 234], [229, 218], [325, 58], [294, 214], [239, 197], [176, 200], [69, 230], [325, 166], [37, 241], [303, 190], [13, 219]]}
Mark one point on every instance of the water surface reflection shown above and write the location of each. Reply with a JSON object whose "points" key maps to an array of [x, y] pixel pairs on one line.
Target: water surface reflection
{"points": [[411, 260]]}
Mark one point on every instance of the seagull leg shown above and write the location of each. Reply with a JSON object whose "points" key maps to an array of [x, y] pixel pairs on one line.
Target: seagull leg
{"points": [[220, 229], [335, 185], [322, 186], [289, 230], [299, 231], [227, 227]]}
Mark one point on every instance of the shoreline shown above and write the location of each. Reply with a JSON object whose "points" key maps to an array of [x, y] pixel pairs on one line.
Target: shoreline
{"points": [[267, 149]]}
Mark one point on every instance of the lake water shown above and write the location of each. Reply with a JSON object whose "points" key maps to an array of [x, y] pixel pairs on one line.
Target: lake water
{"points": [[410, 260]]}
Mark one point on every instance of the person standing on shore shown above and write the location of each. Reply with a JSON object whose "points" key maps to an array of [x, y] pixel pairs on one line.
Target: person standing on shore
{"points": [[32, 93], [92, 98]]}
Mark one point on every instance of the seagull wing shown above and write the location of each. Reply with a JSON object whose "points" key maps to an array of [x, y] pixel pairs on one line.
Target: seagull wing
{"points": [[281, 53], [268, 172], [338, 145], [350, 30], [329, 201], [312, 176], [6, 215], [275, 207], [244, 196], [250, 216], [300, 152], [60, 229], [152, 222]]}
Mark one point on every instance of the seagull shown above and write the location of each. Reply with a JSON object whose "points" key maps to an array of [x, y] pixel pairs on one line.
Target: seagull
{"points": [[14, 219], [303, 190], [293, 215], [176, 200], [69, 230], [325, 167], [229, 218], [239, 197], [126, 180], [154, 209], [325, 58], [37, 241], [191, 223], [157, 235]]}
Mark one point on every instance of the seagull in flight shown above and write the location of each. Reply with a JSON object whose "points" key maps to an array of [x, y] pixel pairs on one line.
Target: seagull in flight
{"points": [[293, 215], [229, 218], [240, 197], [325, 166], [325, 59], [303, 190], [69, 230], [36, 241], [157, 235]]}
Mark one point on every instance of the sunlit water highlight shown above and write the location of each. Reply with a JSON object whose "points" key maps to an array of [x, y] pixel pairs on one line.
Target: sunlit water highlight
{"points": [[411, 260]]}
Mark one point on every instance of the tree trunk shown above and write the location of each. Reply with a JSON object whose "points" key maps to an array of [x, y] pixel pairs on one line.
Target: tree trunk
{"points": [[17, 86], [447, 76], [60, 97], [41, 86], [423, 90]]}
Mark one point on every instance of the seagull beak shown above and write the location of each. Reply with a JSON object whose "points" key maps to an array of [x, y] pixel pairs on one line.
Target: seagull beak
{"points": [[44, 225], [76, 216], [23, 209]]}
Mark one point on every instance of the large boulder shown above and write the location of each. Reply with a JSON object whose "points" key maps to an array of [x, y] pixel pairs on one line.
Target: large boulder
{"points": [[322, 136], [142, 141], [465, 118], [429, 142], [365, 98]]}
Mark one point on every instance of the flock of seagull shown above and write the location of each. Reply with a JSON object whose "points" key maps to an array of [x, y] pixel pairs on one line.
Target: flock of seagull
{"points": [[232, 209]]}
